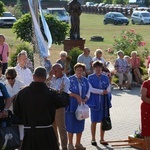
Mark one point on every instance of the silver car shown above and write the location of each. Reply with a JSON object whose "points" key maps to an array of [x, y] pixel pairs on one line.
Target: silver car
{"points": [[7, 20], [140, 17]]}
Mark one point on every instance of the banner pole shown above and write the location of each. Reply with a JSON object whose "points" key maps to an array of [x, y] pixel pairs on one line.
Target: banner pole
{"points": [[37, 57]]}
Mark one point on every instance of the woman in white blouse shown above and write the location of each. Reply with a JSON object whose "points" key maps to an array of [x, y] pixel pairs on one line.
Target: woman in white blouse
{"points": [[12, 84]]}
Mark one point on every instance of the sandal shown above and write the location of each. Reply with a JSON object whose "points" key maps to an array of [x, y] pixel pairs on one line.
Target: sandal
{"points": [[80, 147], [103, 142], [93, 143]]}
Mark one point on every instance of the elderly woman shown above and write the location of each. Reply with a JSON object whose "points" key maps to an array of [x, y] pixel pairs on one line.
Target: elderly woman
{"points": [[98, 56], [99, 88], [145, 111], [122, 70], [106, 71], [12, 84], [135, 63], [4, 52], [65, 62], [79, 88]]}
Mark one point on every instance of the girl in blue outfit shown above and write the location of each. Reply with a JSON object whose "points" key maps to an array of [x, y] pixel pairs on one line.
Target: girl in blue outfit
{"points": [[99, 86], [79, 88]]}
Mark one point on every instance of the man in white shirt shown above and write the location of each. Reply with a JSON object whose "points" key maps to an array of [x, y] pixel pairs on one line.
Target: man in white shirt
{"points": [[24, 74], [86, 59], [59, 82]]}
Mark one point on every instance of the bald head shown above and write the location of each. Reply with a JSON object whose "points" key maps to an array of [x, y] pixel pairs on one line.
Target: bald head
{"points": [[57, 70]]}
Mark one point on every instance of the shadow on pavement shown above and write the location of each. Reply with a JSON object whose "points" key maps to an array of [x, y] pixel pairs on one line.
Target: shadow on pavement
{"points": [[134, 91], [107, 148]]}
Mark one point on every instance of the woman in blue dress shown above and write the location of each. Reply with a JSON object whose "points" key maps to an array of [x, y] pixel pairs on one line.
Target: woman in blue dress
{"points": [[79, 92], [99, 87]]}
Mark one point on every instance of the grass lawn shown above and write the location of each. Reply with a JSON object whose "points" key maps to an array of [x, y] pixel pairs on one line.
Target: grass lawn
{"points": [[91, 25]]}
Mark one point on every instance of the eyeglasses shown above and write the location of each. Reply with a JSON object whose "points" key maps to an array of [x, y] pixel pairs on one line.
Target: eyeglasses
{"points": [[10, 78]]}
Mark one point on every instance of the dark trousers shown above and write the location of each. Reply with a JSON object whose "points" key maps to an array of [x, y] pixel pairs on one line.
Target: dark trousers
{"points": [[5, 65]]}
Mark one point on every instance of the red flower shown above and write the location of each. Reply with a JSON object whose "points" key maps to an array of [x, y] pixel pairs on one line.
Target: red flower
{"points": [[142, 43], [132, 30]]}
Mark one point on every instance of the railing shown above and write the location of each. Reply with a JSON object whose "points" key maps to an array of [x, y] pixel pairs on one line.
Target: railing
{"points": [[103, 10]]}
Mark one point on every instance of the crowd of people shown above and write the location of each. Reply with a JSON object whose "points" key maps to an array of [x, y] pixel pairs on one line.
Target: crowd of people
{"points": [[45, 117]]}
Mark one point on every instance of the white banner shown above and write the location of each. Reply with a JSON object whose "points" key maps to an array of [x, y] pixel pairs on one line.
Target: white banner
{"points": [[44, 51], [45, 26]]}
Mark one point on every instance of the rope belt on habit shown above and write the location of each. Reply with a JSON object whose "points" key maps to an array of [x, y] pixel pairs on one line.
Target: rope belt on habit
{"points": [[38, 127]]}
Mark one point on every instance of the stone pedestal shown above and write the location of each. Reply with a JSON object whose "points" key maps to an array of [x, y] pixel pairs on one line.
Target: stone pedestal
{"points": [[70, 44]]}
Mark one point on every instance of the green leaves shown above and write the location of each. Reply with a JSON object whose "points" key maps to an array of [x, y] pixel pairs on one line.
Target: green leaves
{"points": [[128, 41], [23, 28], [1, 8]]}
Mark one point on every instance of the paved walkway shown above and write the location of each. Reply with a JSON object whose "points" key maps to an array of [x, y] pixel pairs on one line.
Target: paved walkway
{"points": [[125, 116]]}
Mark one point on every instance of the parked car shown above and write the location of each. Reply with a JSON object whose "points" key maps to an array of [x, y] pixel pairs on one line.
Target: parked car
{"points": [[7, 20], [60, 14], [8, 14], [115, 18], [140, 17], [89, 4]]}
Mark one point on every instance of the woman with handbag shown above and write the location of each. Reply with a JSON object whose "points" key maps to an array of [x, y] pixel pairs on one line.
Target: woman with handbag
{"points": [[4, 53], [99, 87], [79, 88]]}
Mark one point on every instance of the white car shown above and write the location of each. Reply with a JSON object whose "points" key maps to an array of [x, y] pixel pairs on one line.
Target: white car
{"points": [[140, 17], [7, 20], [89, 4], [60, 14]]}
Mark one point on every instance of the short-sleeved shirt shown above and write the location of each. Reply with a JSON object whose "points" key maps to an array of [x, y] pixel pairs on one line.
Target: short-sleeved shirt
{"points": [[146, 84], [100, 59], [87, 60], [5, 49], [58, 84], [135, 62]]}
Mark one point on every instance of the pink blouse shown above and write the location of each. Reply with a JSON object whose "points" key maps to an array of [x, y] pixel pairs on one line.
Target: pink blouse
{"points": [[135, 62], [5, 52]]}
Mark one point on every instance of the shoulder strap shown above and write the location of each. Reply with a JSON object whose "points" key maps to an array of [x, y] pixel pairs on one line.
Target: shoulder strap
{"points": [[2, 50]]}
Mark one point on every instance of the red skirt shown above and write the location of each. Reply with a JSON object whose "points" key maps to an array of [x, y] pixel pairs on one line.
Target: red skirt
{"points": [[145, 119]]}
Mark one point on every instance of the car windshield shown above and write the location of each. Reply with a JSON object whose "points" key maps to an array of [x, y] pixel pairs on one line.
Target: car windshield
{"points": [[118, 15], [58, 12], [7, 14], [146, 14]]}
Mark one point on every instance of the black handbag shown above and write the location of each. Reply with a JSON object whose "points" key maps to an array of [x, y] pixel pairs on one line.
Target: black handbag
{"points": [[106, 122], [9, 138]]}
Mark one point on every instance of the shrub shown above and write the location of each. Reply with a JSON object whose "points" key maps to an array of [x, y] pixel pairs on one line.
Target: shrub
{"points": [[1, 8], [25, 46], [128, 41], [74, 53], [23, 28]]}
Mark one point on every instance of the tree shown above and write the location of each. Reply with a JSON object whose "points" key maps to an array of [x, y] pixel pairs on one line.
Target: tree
{"points": [[147, 3], [108, 1], [120, 2], [1, 8], [23, 28]]}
